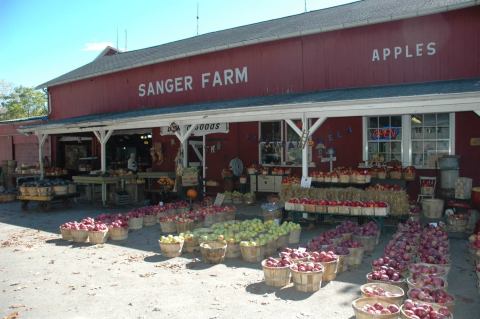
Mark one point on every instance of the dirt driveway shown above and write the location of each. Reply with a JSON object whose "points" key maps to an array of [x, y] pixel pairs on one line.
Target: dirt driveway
{"points": [[42, 276]]}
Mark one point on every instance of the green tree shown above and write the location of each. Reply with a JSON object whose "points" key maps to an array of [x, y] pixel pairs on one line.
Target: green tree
{"points": [[23, 102]]}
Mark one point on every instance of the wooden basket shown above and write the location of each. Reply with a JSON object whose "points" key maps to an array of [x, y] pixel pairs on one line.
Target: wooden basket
{"points": [[253, 254], [118, 233], [66, 233], [149, 220], [171, 250], [342, 265], [282, 241], [355, 257], [397, 291], [79, 235], [233, 250], [191, 245], [32, 191], [368, 242], [330, 270], [213, 252], [294, 236], [360, 314], [183, 227], [276, 276], [97, 237], [307, 281], [135, 223], [168, 227], [270, 248], [449, 305]]}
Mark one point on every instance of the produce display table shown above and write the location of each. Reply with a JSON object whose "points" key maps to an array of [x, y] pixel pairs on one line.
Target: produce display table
{"points": [[45, 202], [97, 180], [297, 215]]}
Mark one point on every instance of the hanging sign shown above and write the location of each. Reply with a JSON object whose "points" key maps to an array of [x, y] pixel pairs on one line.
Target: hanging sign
{"points": [[219, 199], [200, 129], [306, 182]]}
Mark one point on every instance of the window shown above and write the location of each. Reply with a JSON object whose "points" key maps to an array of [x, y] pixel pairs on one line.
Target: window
{"points": [[417, 140], [280, 144], [430, 135], [384, 138]]}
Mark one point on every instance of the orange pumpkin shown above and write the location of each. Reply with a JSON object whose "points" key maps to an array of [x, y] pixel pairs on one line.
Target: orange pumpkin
{"points": [[192, 193]]}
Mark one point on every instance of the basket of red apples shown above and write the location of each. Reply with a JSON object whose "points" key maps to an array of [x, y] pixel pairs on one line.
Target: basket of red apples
{"points": [[135, 219], [391, 293], [356, 252], [294, 254], [80, 230], [342, 253], [432, 296], [277, 271], [307, 276], [374, 307], [399, 265], [419, 281], [367, 235], [419, 310], [66, 230], [98, 234], [329, 261], [118, 229], [387, 275]]}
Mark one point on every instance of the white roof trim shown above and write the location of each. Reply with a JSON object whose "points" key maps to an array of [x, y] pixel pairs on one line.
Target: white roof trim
{"points": [[432, 103]]}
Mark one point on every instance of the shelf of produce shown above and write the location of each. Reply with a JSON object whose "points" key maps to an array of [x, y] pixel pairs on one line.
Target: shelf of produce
{"points": [[298, 215], [339, 185]]}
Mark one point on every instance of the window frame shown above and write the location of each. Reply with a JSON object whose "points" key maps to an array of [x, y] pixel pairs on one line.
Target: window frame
{"points": [[406, 147]]}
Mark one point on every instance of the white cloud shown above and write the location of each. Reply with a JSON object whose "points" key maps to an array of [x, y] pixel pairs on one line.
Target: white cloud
{"points": [[96, 46]]}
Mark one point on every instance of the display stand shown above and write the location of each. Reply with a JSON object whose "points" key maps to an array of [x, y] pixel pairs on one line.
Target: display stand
{"points": [[45, 202]]}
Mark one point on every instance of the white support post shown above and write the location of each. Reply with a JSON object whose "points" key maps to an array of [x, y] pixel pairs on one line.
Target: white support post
{"points": [[305, 146], [316, 125], [294, 127], [103, 137], [183, 137], [41, 141], [204, 164]]}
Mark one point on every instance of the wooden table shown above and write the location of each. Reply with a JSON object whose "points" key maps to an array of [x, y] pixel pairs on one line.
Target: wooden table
{"points": [[97, 180]]}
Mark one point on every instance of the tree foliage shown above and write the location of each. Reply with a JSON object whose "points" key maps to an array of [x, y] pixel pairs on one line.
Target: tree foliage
{"points": [[22, 102]]}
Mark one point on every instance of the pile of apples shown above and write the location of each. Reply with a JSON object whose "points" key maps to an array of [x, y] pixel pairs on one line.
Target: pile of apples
{"points": [[136, 214], [475, 241], [100, 227], [427, 294], [385, 274], [170, 239], [278, 262], [379, 309], [368, 229], [432, 270], [435, 282], [118, 223], [307, 267], [417, 310], [350, 244], [373, 291], [317, 242], [389, 262], [294, 254], [346, 227], [69, 225], [323, 256]]}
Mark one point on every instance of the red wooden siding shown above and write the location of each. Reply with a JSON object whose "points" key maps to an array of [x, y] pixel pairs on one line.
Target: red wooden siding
{"points": [[336, 59]]}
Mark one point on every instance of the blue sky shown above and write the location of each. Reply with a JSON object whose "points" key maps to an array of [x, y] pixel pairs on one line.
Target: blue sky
{"points": [[42, 39]]}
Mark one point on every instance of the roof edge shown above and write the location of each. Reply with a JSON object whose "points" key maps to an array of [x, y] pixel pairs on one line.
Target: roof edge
{"points": [[360, 23]]}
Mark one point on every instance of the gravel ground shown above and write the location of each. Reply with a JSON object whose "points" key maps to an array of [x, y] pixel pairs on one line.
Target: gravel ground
{"points": [[42, 276]]}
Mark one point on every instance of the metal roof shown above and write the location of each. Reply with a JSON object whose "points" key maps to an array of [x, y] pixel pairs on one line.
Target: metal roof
{"points": [[290, 102], [340, 17]]}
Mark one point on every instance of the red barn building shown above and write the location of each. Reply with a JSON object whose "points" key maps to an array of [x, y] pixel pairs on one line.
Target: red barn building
{"points": [[375, 80]]}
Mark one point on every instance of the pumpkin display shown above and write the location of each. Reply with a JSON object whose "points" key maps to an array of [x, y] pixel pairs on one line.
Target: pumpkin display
{"points": [[192, 193]]}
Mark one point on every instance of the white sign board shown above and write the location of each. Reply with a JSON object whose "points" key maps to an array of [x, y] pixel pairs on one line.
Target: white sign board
{"points": [[200, 129], [306, 182], [219, 199]]}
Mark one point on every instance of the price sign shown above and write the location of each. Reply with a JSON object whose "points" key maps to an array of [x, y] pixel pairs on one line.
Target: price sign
{"points": [[219, 199], [306, 182]]}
